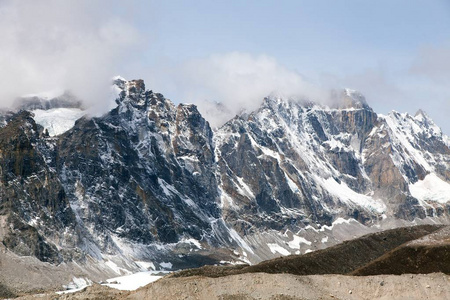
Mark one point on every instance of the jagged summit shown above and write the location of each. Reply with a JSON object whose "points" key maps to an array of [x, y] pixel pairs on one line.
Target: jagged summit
{"points": [[352, 99], [131, 90], [341, 99], [420, 113], [423, 117]]}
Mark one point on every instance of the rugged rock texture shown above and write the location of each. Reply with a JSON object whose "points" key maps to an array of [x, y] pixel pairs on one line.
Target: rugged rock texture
{"points": [[33, 203], [295, 164], [143, 172], [152, 181]]}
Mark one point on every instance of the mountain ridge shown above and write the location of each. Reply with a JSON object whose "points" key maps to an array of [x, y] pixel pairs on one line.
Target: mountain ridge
{"points": [[152, 181]]}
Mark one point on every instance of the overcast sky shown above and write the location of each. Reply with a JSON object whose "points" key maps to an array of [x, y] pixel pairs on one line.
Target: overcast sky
{"points": [[397, 53]]}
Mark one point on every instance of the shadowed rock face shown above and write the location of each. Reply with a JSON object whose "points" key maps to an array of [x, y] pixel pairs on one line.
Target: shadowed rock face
{"points": [[149, 175], [143, 171], [32, 198]]}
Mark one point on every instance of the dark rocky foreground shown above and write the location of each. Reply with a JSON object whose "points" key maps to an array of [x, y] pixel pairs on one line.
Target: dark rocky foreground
{"points": [[425, 255], [389, 247]]}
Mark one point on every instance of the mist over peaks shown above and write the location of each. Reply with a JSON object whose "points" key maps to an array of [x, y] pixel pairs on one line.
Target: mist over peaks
{"points": [[71, 45]]}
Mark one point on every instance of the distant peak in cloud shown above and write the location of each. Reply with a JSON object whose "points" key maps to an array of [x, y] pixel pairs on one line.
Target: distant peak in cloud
{"points": [[62, 45]]}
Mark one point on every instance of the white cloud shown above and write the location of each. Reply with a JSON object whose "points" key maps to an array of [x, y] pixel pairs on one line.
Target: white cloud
{"points": [[421, 85], [238, 81], [375, 84], [51, 44]]}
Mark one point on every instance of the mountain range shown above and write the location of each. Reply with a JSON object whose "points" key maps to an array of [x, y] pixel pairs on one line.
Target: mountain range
{"points": [[150, 185]]}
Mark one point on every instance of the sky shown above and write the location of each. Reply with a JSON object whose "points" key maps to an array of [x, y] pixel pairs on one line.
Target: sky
{"points": [[396, 52]]}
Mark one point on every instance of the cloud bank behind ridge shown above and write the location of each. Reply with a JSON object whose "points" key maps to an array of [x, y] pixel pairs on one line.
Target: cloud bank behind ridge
{"points": [[79, 45], [238, 81], [52, 45]]}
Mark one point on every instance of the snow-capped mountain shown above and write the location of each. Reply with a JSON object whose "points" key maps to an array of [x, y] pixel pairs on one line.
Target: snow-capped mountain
{"points": [[151, 181], [310, 164]]}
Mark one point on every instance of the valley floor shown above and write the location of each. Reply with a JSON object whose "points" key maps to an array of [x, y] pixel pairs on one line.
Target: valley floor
{"points": [[278, 286]]}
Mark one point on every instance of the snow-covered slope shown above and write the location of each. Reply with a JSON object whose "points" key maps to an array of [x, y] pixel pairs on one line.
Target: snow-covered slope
{"points": [[431, 189], [57, 120], [56, 111]]}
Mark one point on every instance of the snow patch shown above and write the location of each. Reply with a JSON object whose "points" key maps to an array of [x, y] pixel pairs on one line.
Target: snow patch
{"points": [[274, 248], [431, 188], [76, 285], [247, 191], [57, 120], [166, 265], [338, 221], [192, 242], [346, 194], [295, 243], [291, 183], [134, 281], [113, 266], [235, 236]]}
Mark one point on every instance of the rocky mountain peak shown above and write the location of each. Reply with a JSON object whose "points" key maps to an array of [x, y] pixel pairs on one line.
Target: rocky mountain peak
{"points": [[136, 86], [420, 113], [119, 81], [130, 91], [344, 99], [134, 100], [352, 99], [423, 117]]}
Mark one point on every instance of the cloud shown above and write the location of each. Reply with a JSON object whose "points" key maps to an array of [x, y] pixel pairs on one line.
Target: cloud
{"points": [[422, 84], [375, 84], [433, 62], [51, 44], [237, 81]]}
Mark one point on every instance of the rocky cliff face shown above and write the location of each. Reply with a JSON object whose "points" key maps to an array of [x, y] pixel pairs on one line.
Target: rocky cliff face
{"points": [[34, 205], [152, 181], [142, 172], [304, 164]]}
